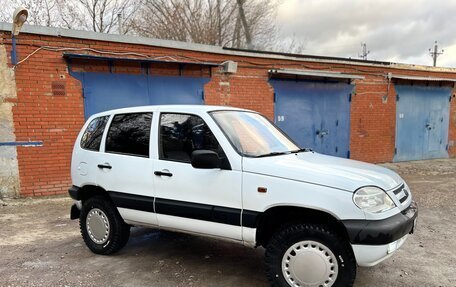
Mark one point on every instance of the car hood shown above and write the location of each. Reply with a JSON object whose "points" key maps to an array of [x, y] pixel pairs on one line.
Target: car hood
{"points": [[315, 168]]}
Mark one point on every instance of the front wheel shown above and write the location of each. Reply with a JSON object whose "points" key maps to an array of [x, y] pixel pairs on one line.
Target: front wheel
{"points": [[309, 255], [102, 228]]}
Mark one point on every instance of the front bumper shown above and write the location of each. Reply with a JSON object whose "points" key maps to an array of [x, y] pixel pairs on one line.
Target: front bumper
{"points": [[375, 240], [379, 232], [370, 255]]}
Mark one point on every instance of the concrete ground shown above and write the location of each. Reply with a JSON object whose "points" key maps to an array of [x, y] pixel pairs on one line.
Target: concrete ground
{"points": [[40, 246]]}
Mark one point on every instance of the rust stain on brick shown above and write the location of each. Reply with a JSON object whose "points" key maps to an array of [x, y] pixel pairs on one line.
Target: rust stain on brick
{"points": [[362, 132]]}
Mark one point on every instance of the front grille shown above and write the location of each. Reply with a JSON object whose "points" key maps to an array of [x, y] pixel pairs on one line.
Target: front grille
{"points": [[401, 194]]}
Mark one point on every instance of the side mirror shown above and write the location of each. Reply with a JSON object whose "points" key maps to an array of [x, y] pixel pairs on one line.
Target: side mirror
{"points": [[206, 159]]}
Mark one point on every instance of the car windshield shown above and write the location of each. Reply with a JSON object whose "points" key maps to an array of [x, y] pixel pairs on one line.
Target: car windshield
{"points": [[252, 134]]}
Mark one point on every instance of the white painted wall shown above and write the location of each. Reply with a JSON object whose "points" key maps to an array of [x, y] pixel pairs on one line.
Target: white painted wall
{"points": [[9, 170]]}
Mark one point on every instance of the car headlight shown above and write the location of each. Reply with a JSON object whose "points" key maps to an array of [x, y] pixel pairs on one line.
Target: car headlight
{"points": [[373, 199]]}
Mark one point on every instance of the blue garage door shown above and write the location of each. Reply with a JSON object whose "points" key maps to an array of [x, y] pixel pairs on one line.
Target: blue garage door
{"points": [[422, 119], [106, 91], [315, 114]]}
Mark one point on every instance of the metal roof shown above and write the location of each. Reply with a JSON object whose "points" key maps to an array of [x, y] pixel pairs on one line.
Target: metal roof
{"points": [[136, 40], [310, 56], [315, 73], [417, 78], [140, 60]]}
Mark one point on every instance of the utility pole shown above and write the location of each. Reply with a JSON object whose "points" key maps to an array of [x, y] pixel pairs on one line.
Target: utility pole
{"points": [[365, 52], [248, 37], [435, 53], [119, 20]]}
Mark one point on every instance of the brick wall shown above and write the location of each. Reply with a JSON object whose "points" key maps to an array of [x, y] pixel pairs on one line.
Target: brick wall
{"points": [[452, 128], [373, 120], [56, 120], [41, 116], [248, 89]]}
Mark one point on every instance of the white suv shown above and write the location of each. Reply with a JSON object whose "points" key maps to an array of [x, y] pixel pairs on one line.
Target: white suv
{"points": [[231, 174]]}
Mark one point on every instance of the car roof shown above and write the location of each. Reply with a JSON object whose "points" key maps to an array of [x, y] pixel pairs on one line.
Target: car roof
{"points": [[170, 108]]}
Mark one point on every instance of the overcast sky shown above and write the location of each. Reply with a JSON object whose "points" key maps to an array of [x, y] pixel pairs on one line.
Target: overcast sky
{"points": [[394, 30]]}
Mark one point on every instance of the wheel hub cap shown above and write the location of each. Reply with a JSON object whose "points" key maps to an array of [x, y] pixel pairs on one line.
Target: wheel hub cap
{"points": [[309, 263], [97, 226]]}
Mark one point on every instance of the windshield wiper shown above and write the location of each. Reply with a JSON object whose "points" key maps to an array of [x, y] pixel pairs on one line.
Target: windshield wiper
{"points": [[273, 153], [302, 150], [285, 152]]}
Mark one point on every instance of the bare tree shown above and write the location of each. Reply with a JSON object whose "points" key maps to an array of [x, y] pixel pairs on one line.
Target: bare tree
{"points": [[102, 15], [215, 22], [248, 37], [290, 45], [231, 23], [6, 12], [70, 15], [95, 15], [40, 11], [184, 20], [261, 20]]}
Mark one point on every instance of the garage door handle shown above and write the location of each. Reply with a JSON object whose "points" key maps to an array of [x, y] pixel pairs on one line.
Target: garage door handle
{"points": [[163, 173], [322, 133], [106, 165]]}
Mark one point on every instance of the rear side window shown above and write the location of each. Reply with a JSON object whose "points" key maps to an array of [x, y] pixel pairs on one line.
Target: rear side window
{"points": [[129, 134], [91, 139]]}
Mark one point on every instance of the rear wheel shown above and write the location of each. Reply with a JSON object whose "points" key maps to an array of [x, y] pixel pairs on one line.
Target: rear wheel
{"points": [[309, 255], [102, 227]]}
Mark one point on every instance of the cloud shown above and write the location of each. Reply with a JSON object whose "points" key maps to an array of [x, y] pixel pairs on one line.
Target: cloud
{"points": [[400, 31]]}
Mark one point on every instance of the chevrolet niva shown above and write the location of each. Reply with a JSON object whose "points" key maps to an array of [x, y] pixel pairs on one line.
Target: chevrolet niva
{"points": [[231, 174]]}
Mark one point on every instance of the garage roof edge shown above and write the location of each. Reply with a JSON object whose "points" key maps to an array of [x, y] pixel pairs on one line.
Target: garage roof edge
{"points": [[143, 60], [137, 40], [417, 78], [315, 73]]}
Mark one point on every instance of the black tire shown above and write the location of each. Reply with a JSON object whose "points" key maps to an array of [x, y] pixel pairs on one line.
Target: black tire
{"points": [[119, 231], [289, 235]]}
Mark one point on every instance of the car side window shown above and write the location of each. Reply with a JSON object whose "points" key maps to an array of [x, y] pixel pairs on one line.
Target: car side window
{"points": [[129, 134], [91, 139], [181, 134]]}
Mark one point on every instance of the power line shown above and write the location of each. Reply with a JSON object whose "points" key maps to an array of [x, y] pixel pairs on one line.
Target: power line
{"points": [[365, 52], [435, 53]]}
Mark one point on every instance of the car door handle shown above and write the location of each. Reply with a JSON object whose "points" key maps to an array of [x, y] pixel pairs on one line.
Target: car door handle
{"points": [[106, 165], [163, 173]]}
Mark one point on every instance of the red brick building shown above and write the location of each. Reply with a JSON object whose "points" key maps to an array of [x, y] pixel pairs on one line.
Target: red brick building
{"points": [[365, 110]]}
